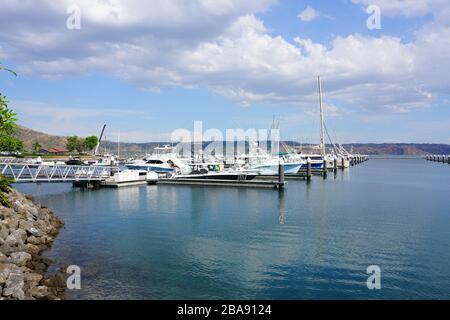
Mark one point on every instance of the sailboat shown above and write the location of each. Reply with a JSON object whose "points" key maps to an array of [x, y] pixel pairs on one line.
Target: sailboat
{"points": [[317, 160]]}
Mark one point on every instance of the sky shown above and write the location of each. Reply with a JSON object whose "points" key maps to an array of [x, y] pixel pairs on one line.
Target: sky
{"points": [[147, 68]]}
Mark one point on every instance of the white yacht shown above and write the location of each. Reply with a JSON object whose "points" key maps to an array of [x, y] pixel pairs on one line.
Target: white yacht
{"points": [[163, 160]]}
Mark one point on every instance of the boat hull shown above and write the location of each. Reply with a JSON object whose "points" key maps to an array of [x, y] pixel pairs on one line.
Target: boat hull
{"points": [[289, 168], [150, 168], [218, 176]]}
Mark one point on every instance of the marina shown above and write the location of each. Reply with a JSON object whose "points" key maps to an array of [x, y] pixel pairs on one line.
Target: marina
{"points": [[312, 241], [237, 155]]}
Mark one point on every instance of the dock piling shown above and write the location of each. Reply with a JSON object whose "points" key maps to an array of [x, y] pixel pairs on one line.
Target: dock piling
{"points": [[308, 169], [281, 174], [325, 168]]}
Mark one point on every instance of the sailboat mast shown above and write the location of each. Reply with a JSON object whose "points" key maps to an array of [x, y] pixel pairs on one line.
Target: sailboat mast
{"points": [[118, 145], [322, 137]]}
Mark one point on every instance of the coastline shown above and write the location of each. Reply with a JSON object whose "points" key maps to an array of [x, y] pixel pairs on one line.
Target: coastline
{"points": [[27, 229]]}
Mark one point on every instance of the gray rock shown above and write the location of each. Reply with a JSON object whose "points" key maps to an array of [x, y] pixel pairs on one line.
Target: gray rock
{"points": [[14, 286], [33, 249], [36, 240], [30, 228], [3, 258], [11, 222], [4, 231], [31, 209], [39, 292], [19, 207], [33, 277], [20, 258], [16, 238], [5, 270], [34, 232]]}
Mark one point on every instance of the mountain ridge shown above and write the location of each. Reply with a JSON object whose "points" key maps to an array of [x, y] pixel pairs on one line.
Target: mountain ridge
{"points": [[30, 136]]}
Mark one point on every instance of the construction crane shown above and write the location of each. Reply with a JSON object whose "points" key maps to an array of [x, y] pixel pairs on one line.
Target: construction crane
{"points": [[99, 140]]}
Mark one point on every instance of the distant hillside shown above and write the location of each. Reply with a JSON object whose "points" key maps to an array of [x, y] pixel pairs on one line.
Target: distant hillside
{"points": [[29, 137], [399, 148]]}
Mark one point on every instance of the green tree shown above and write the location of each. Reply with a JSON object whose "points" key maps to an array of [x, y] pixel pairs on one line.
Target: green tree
{"points": [[36, 147], [73, 143], [10, 144], [90, 142], [8, 126], [80, 145], [8, 118]]}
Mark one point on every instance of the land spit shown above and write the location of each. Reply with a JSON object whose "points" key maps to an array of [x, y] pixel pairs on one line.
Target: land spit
{"points": [[27, 229]]}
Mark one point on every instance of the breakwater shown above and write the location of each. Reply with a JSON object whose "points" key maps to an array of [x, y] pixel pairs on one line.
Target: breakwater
{"points": [[27, 229]]}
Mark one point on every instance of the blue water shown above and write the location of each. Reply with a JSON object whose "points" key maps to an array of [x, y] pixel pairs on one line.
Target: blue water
{"points": [[314, 241]]}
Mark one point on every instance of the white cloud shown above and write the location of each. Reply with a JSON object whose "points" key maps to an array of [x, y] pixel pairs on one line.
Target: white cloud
{"points": [[223, 46], [308, 14]]}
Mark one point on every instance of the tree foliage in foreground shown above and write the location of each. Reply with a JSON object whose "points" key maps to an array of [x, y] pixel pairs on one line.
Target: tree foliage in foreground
{"points": [[8, 126]]}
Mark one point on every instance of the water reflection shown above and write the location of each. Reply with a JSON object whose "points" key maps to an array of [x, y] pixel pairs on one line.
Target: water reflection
{"points": [[281, 207], [311, 241]]}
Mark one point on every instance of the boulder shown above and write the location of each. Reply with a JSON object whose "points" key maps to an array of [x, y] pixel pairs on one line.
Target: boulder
{"points": [[5, 270], [30, 228], [11, 222], [14, 286], [33, 249], [33, 277], [20, 258], [31, 209], [19, 207], [4, 231], [16, 238], [39, 292], [34, 232], [3, 258], [35, 240]]}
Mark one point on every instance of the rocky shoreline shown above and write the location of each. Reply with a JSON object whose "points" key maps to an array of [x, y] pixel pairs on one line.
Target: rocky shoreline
{"points": [[27, 229]]}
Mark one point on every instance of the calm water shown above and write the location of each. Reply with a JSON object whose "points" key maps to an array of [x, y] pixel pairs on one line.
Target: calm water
{"points": [[314, 241]]}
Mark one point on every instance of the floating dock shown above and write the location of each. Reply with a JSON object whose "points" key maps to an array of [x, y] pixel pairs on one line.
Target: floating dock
{"points": [[438, 158], [223, 183]]}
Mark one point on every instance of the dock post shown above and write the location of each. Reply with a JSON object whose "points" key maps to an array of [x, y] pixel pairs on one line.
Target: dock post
{"points": [[335, 164], [281, 174], [448, 159], [342, 163], [308, 169], [325, 168]]}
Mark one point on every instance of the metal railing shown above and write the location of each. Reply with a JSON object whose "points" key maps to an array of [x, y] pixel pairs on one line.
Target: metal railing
{"points": [[25, 172]]}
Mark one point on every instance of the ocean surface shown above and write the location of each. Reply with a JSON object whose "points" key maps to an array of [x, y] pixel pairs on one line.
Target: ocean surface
{"points": [[312, 241]]}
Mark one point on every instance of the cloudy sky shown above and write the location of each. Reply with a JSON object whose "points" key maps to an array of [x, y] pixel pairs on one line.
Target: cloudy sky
{"points": [[146, 68]]}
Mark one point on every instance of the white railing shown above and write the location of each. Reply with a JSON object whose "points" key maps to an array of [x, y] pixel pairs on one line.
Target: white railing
{"points": [[25, 172]]}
